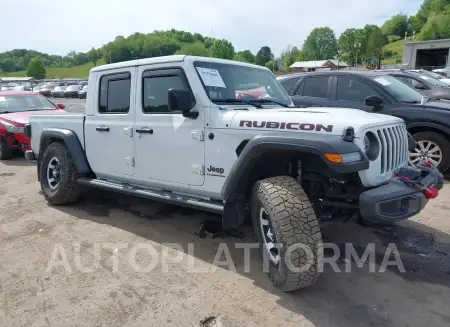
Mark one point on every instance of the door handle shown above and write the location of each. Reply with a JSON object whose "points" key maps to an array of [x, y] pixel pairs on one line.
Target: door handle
{"points": [[144, 130], [102, 129]]}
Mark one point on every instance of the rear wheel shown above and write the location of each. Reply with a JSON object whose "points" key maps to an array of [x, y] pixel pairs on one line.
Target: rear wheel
{"points": [[5, 151], [432, 147], [288, 232], [58, 175]]}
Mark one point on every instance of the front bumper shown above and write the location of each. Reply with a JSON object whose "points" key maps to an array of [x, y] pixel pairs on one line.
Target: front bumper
{"points": [[402, 197], [29, 155]]}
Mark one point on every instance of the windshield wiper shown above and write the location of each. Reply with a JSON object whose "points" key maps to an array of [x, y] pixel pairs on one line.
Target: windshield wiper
{"points": [[238, 101], [270, 101], [5, 112], [415, 101]]}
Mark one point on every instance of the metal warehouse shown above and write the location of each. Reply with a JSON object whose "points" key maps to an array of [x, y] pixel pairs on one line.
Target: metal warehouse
{"points": [[426, 54]]}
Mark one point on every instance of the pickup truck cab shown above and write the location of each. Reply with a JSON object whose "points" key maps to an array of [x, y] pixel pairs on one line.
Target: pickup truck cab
{"points": [[194, 132]]}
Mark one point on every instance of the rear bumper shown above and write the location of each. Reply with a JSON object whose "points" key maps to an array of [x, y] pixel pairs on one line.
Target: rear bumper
{"points": [[403, 196]]}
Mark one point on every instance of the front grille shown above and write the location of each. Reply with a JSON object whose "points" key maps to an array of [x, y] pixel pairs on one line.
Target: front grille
{"points": [[394, 147]]}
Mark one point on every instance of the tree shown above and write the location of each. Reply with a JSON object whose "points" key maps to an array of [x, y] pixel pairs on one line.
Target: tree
{"points": [[7, 65], [245, 56], [94, 55], [272, 65], [36, 68], [396, 25], [194, 49], [351, 45], [222, 49], [320, 44], [263, 56], [374, 41], [291, 55], [436, 27]]}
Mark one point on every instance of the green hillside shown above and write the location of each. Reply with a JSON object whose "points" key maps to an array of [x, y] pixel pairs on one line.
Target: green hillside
{"points": [[59, 72], [394, 47]]}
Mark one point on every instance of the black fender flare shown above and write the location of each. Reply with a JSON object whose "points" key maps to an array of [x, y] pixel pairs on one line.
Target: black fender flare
{"points": [[439, 127], [315, 144], [72, 143]]}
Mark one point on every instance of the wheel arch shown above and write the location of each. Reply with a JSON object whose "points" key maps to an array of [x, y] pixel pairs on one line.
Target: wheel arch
{"points": [[415, 128], [71, 141]]}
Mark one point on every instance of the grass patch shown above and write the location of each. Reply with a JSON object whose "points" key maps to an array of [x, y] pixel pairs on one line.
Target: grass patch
{"points": [[60, 72]]}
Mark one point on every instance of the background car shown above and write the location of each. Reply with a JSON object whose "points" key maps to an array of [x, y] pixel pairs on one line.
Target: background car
{"points": [[434, 75], [83, 83], [58, 91], [426, 85], [442, 71], [72, 91], [15, 109], [47, 89], [427, 120], [83, 92]]}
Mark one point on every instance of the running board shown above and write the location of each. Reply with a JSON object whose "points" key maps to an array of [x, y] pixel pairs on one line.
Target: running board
{"points": [[164, 196]]}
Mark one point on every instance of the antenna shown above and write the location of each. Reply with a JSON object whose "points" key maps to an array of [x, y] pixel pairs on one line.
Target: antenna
{"points": [[210, 67]]}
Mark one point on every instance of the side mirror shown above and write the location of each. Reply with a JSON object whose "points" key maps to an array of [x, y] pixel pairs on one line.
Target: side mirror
{"points": [[60, 106], [374, 101], [420, 86], [182, 100]]}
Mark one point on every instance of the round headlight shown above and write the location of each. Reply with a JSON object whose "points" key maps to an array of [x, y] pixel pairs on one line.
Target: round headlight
{"points": [[371, 146]]}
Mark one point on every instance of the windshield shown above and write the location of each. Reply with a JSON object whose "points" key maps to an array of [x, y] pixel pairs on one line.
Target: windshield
{"points": [[230, 83], [432, 80], [18, 103], [399, 90], [73, 88], [60, 88], [49, 86], [429, 74]]}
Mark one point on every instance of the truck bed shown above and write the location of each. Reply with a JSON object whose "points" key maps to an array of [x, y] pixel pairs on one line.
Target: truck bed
{"points": [[74, 122]]}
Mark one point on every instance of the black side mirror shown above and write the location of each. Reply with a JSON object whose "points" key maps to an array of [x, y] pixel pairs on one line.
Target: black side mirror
{"points": [[374, 101], [182, 100], [420, 86]]}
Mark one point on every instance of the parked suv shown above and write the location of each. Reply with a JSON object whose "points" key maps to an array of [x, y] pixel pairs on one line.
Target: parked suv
{"points": [[173, 129], [428, 120]]}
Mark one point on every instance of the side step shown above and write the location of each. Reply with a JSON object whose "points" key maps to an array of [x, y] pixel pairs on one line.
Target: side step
{"points": [[164, 196]]}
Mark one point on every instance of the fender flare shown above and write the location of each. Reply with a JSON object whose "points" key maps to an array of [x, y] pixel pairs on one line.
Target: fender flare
{"points": [[439, 127], [72, 143], [315, 144]]}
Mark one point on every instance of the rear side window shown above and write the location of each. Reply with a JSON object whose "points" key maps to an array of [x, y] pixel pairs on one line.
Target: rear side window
{"points": [[315, 87], [115, 94], [289, 84], [350, 89]]}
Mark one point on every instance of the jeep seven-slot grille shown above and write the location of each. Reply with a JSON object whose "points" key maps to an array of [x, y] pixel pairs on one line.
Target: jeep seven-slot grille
{"points": [[394, 147]]}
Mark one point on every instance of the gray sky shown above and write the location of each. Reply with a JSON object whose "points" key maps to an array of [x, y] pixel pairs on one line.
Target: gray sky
{"points": [[57, 27]]}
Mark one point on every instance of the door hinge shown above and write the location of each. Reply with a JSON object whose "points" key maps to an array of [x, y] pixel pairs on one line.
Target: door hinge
{"points": [[197, 135], [130, 161], [198, 169], [128, 131]]}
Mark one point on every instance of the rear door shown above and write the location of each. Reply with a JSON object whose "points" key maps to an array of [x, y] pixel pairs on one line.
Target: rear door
{"points": [[313, 91], [108, 131]]}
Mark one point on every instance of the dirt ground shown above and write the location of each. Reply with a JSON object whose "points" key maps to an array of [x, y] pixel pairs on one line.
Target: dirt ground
{"points": [[115, 293]]}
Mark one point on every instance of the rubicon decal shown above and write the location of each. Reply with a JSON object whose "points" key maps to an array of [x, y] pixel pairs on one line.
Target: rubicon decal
{"points": [[285, 125], [215, 171]]}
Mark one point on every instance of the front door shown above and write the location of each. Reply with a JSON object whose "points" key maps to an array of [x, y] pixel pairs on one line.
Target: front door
{"points": [[169, 147], [110, 145]]}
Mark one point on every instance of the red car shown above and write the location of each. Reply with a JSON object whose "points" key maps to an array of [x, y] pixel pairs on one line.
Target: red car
{"points": [[15, 110]]}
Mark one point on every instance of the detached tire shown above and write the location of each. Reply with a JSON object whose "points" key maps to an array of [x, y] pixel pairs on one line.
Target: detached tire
{"points": [[5, 151], [433, 139], [58, 175], [282, 213]]}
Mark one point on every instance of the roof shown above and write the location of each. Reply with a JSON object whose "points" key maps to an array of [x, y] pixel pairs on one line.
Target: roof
{"points": [[169, 59], [332, 73], [16, 79], [3, 93], [316, 63]]}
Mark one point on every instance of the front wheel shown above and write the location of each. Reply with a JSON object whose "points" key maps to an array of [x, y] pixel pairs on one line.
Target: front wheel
{"points": [[5, 151], [288, 232], [58, 175], [432, 147]]}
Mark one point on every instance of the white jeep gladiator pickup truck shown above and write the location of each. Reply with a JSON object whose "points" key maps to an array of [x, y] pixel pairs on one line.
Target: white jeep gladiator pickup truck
{"points": [[224, 136]]}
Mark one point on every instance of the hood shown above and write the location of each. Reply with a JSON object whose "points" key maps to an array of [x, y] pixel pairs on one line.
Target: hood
{"points": [[445, 80], [440, 105], [23, 117], [312, 120]]}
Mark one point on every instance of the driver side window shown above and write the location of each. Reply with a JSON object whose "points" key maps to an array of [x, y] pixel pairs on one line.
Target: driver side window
{"points": [[352, 90]]}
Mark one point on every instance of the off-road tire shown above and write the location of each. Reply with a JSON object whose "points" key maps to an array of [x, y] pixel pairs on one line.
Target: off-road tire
{"points": [[294, 222], [68, 190], [440, 141], [5, 151]]}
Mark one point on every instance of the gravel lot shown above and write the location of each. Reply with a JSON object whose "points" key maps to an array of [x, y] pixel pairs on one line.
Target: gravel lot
{"points": [[33, 236]]}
